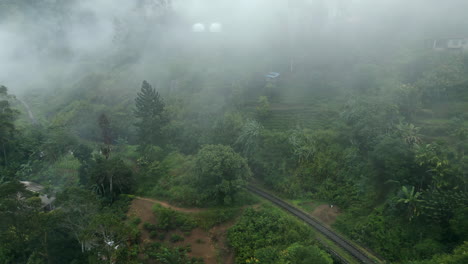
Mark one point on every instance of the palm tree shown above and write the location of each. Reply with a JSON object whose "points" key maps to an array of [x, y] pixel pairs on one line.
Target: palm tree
{"points": [[304, 145], [409, 133], [411, 199], [247, 141]]}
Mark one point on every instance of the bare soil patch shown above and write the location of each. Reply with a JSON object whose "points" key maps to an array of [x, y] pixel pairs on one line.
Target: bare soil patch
{"points": [[210, 245], [326, 214]]}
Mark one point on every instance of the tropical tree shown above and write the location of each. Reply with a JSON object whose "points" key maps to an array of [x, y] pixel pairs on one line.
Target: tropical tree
{"points": [[432, 159], [249, 137], [412, 201], [78, 206], [263, 107], [109, 178], [368, 119], [228, 129], [83, 154], [409, 133], [109, 235], [20, 218], [7, 127], [220, 173], [393, 162], [300, 254], [304, 145], [104, 124], [441, 80]]}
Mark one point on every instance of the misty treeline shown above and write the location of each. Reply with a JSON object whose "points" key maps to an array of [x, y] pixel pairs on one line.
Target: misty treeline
{"points": [[129, 100]]}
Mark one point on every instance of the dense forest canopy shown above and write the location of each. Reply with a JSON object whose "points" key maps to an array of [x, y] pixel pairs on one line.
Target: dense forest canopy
{"points": [[105, 105]]}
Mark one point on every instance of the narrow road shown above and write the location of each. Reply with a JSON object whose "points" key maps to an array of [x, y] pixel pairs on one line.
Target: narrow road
{"points": [[342, 242]]}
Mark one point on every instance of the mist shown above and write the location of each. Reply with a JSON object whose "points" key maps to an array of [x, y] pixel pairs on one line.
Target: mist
{"points": [[140, 121], [88, 35]]}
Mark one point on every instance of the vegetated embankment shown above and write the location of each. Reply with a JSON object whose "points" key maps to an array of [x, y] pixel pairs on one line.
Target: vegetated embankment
{"points": [[342, 242]]}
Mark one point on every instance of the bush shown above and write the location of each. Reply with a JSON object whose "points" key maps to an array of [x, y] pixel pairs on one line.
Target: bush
{"points": [[210, 218], [264, 234], [188, 248], [149, 227], [153, 234], [135, 221], [169, 219], [176, 238], [161, 236]]}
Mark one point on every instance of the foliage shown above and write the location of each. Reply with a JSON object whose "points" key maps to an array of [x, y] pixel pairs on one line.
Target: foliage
{"points": [[151, 116], [367, 119], [28, 233], [263, 107], [7, 132], [300, 254], [267, 236], [209, 218], [176, 238], [168, 219], [411, 199], [248, 139], [109, 235], [111, 177], [381, 134], [459, 255], [220, 173], [165, 255]]}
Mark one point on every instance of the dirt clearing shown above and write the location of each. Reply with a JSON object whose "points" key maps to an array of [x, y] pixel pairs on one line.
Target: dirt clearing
{"points": [[326, 214], [210, 245]]}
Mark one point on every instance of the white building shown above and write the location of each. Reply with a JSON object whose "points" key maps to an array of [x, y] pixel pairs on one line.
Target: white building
{"points": [[448, 44]]}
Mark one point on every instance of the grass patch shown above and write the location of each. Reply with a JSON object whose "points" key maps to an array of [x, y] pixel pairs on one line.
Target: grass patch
{"points": [[149, 227], [135, 221], [176, 238], [307, 205], [212, 217], [169, 219]]}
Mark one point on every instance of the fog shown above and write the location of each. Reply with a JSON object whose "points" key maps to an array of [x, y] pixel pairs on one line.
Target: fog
{"points": [[52, 43]]}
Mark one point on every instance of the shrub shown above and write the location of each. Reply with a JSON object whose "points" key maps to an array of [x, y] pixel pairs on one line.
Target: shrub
{"points": [[188, 248], [153, 234], [169, 219], [135, 221], [176, 238], [149, 226]]}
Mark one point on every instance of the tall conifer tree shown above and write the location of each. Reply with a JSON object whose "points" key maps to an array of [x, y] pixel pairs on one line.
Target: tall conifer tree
{"points": [[150, 112]]}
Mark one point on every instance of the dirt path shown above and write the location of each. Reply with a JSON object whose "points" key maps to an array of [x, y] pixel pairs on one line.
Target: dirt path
{"points": [[167, 205]]}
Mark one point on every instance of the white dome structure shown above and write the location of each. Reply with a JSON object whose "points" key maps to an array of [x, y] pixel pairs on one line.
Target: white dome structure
{"points": [[216, 27], [198, 27]]}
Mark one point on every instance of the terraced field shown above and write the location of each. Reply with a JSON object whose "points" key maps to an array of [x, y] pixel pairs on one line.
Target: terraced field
{"points": [[299, 104], [288, 116]]}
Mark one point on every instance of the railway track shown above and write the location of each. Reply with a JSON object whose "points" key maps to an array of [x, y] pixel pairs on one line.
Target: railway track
{"points": [[340, 241]]}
